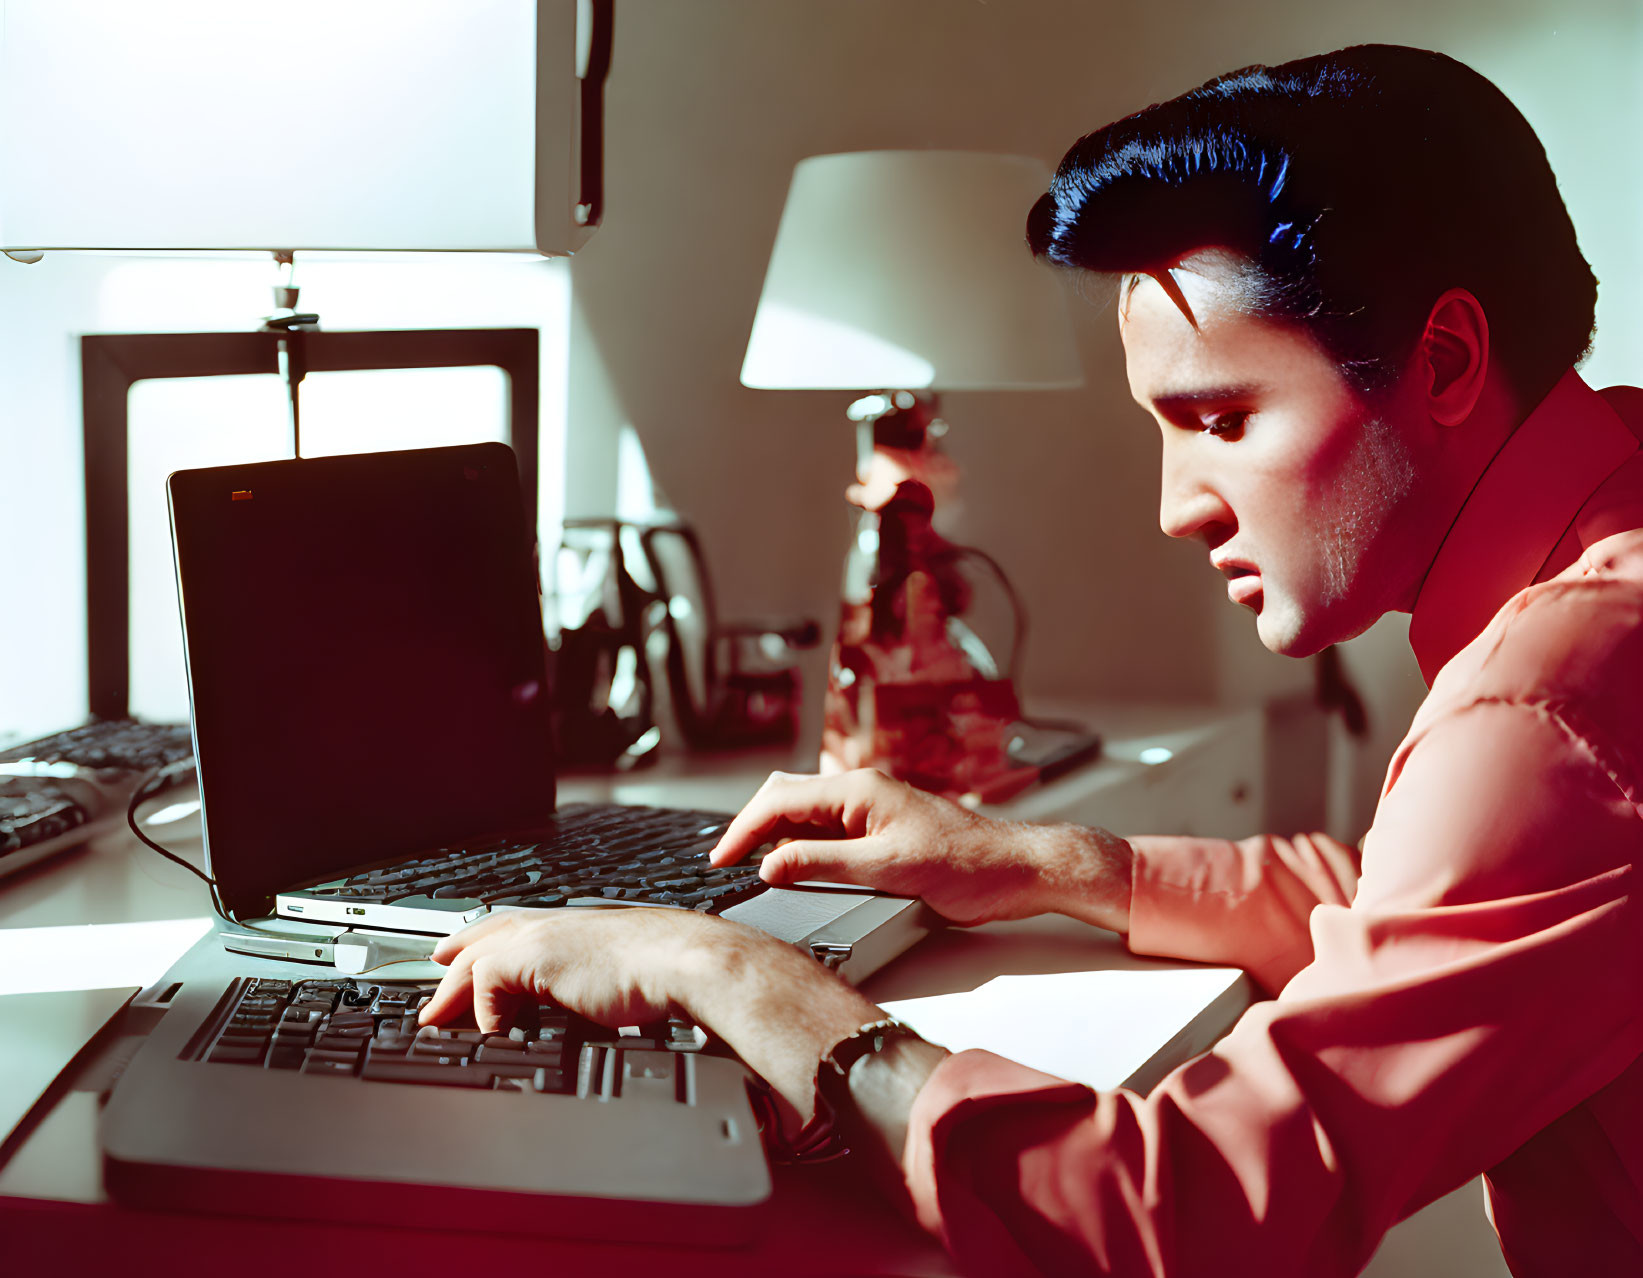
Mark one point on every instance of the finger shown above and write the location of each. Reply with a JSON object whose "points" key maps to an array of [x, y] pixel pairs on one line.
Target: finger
{"points": [[828, 860], [454, 992], [498, 983], [745, 831], [456, 942], [785, 805]]}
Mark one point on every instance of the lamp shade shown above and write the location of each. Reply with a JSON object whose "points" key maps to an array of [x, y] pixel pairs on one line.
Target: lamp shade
{"points": [[909, 270], [308, 124]]}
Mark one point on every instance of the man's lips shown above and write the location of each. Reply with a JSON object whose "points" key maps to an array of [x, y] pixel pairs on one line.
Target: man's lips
{"points": [[1243, 580], [1244, 589]]}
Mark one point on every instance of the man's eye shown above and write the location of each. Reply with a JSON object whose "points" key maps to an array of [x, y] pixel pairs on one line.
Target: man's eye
{"points": [[1226, 425]]}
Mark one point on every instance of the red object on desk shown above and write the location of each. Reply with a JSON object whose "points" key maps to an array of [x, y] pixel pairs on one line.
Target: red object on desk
{"points": [[911, 689]]}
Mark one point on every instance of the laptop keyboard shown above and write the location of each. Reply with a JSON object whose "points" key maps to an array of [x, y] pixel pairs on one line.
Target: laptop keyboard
{"points": [[367, 1030], [125, 744], [611, 852], [103, 761], [34, 810]]}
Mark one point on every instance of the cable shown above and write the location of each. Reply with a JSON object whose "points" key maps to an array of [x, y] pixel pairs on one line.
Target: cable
{"points": [[1018, 642], [131, 820]]}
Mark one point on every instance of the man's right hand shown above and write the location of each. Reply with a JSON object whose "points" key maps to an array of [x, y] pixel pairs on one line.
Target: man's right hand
{"points": [[863, 827]]}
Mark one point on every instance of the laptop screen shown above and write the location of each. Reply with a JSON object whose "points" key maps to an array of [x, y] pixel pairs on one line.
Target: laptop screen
{"points": [[365, 661]]}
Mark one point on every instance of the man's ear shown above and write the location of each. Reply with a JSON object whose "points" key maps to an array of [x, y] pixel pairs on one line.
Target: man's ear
{"points": [[1453, 356]]}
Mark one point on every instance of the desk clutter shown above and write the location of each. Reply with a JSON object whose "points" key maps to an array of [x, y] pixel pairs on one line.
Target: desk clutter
{"points": [[625, 601]]}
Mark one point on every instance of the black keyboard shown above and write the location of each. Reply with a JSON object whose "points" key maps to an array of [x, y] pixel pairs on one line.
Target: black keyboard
{"points": [[58, 791], [126, 745], [614, 853], [34, 810], [367, 1030]]}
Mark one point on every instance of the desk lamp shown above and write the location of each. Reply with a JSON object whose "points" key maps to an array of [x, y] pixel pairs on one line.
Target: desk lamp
{"points": [[903, 274]]}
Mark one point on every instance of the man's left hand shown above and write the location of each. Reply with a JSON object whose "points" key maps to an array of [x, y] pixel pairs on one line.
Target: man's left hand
{"points": [[773, 1004]]}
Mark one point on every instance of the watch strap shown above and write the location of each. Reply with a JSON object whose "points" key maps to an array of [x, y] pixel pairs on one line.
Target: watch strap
{"points": [[866, 1040], [823, 1137]]}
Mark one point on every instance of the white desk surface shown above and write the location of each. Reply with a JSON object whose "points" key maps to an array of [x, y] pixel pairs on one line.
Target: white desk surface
{"points": [[51, 1201]]}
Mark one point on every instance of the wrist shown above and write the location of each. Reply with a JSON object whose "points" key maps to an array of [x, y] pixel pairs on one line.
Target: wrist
{"points": [[771, 1003], [1085, 873], [874, 1100], [865, 1088]]}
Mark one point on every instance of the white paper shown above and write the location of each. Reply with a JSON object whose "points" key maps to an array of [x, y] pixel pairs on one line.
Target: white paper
{"points": [[1095, 1028], [93, 956]]}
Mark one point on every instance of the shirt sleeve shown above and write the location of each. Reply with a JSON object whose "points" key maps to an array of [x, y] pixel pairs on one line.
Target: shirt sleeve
{"points": [[1458, 1006], [1245, 904]]}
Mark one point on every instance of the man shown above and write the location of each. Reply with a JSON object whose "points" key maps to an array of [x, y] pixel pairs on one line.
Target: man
{"points": [[1351, 299]]}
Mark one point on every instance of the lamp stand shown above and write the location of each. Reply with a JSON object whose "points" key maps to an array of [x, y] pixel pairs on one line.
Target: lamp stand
{"points": [[286, 319], [912, 690]]}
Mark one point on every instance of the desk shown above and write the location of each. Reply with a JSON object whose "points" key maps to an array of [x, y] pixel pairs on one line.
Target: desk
{"points": [[1164, 769], [54, 1217]]}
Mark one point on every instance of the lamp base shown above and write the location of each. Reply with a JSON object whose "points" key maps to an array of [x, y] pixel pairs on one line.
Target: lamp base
{"points": [[950, 737], [911, 689]]}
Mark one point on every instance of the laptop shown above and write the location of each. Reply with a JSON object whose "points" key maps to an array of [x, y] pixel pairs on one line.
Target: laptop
{"points": [[371, 717], [371, 709], [307, 1094]]}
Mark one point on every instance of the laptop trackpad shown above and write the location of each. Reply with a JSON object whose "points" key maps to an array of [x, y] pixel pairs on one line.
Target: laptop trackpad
{"points": [[794, 913]]}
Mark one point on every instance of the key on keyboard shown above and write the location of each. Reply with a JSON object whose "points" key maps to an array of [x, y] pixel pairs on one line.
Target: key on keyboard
{"points": [[612, 852], [362, 1029]]}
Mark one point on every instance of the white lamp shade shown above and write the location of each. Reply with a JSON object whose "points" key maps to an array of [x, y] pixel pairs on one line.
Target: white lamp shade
{"points": [[307, 124], [909, 270]]}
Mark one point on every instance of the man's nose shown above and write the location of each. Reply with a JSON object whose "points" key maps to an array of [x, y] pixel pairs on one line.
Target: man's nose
{"points": [[1189, 504]]}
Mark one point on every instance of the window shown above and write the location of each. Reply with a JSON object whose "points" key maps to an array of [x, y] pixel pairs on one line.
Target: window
{"points": [[179, 414]]}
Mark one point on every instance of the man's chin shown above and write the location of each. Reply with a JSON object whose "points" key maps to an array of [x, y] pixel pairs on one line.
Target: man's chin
{"points": [[1288, 635], [1285, 634]]}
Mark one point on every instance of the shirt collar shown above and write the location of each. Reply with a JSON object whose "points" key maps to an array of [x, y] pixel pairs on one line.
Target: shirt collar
{"points": [[1525, 500]]}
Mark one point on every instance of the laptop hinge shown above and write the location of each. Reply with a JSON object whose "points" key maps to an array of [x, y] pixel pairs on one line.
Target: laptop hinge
{"points": [[245, 913], [831, 954]]}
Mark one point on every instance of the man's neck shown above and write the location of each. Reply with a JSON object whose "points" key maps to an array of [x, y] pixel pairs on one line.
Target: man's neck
{"points": [[1455, 459]]}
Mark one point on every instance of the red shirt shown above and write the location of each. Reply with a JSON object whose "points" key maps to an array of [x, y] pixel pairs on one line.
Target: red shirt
{"points": [[1471, 1001]]}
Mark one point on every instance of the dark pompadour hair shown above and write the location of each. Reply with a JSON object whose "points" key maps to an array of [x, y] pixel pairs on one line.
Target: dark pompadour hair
{"points": [[1361, 185]]}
